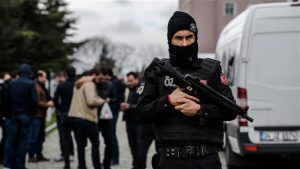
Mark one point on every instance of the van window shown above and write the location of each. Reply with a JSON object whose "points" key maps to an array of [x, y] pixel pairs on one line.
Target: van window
{"points": [[274, 59], [224, 63], [231, 69]]}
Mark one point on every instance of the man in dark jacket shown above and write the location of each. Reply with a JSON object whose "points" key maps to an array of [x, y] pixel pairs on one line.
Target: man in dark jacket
{"points": [[24, 103], [188, 129], [115, 108], [62, 101], [60, 77], [140, 135], [106, 90], [5, 110]]}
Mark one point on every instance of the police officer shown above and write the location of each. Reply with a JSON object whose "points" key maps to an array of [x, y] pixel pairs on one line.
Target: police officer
{"points": [[188, 129]]}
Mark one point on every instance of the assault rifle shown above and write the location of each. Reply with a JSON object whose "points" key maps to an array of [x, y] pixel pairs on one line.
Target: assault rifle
{"points": [[193, 86]]}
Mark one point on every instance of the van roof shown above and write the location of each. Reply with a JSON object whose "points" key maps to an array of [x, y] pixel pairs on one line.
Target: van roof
{"points": [[272, 4], [241, 18], [239, 22]]}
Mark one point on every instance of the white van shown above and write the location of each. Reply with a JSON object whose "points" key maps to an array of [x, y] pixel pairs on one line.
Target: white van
{"points": [[260, 53]]}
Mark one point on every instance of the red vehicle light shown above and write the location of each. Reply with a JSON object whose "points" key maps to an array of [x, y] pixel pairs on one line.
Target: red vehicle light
{"points": [[251, 148]]}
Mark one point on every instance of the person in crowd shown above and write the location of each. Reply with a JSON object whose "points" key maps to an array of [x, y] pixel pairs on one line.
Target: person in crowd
{"points": [[39, 120], [24, 104], [140, 135], [115, 108], [5, 110], [62, 101], [105, 90], [83, 111], [59, 78]]}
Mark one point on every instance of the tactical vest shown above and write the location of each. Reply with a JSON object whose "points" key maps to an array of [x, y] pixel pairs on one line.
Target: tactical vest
{"points": [[174, 127]]}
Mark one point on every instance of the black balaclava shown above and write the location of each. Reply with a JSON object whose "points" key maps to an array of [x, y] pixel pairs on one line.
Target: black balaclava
{"points": [[182, 56]]}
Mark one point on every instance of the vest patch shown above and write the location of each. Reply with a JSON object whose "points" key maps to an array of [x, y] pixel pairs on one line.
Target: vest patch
{"points": [[141, 89], [169, 82]]}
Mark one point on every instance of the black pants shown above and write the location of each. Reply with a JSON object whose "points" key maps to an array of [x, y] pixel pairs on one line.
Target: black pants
{"points": [[144, 143], [115, 144], [87, 130], [58, 124], [210, 161], [2, 125], [67, 126], [105, 127], [140, 137]]}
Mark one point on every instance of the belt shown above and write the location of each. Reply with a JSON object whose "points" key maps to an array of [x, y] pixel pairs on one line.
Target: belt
{"points": [[185, 152]]}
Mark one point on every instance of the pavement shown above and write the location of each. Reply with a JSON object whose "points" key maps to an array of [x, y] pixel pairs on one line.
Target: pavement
{"points": [[51, 150]]}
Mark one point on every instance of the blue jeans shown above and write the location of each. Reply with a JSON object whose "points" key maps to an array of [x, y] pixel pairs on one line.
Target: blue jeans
{"points": [[37, 137], [17, 140], [87, 130]]}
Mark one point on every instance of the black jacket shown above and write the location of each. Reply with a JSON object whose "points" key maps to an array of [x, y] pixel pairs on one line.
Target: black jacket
{"points": [[171, 126], [131, 115], [119, 89], [5, 104], [63, 95], [106, 90], [23, 96]]}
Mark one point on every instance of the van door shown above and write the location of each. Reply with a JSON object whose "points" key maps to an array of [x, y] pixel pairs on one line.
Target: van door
{"points": [[273, 72]]}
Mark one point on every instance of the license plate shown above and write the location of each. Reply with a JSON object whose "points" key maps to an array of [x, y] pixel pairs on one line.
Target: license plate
{"points": [[273, 136]]}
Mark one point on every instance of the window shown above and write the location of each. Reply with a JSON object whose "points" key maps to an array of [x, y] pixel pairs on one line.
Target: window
{"points": [[229, 9], [228, 66], [224, 64], [231, 70]]}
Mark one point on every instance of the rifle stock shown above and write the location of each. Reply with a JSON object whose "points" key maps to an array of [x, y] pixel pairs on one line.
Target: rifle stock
{"points": [[193, 85]]}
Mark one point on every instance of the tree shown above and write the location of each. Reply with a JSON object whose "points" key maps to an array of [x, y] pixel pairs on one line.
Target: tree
{"points": [[106, 59], [35, 32], [100, 52], [93, 52], [122, 54], [148, 53]]}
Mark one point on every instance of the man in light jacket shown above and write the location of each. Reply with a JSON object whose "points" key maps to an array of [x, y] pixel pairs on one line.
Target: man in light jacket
{"points": [[83, 112]]}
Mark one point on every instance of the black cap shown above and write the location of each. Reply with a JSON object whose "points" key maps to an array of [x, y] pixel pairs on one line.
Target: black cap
{"points": [[181, 21]]}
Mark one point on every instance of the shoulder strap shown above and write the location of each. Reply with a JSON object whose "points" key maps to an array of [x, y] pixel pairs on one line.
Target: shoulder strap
{"points": [[167, 62], [209, 67], [150, 67]]}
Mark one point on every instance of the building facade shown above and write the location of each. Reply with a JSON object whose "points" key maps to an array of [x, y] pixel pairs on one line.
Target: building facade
{"points": [[212, 15]]}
